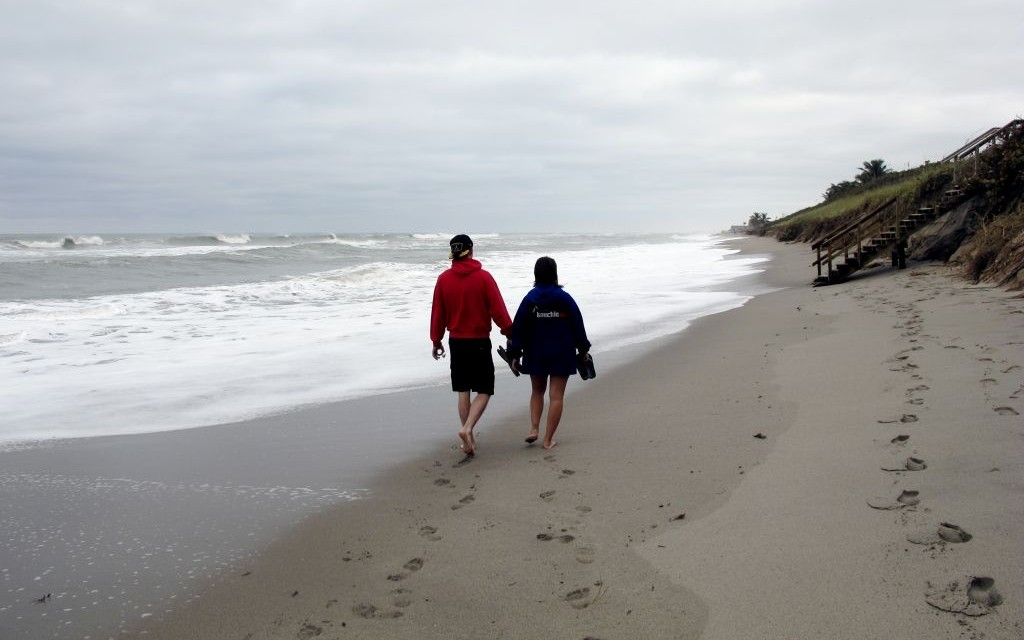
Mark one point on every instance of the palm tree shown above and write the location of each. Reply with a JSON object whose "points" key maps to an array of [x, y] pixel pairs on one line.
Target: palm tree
{"points": [[872, 169]]}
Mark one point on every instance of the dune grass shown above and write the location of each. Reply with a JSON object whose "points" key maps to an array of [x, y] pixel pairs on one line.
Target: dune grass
{"points": [[909, 187]]}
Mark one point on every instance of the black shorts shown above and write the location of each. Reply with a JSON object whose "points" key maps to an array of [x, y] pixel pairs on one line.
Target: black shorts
{"points": [[472, 367]]}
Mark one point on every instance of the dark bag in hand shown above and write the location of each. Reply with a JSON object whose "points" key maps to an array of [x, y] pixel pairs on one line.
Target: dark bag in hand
{"points": [[508, 358], [585, 365]]}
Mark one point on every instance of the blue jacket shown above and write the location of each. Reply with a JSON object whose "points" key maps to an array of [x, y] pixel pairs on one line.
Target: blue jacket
{"points": [[547, 331]]}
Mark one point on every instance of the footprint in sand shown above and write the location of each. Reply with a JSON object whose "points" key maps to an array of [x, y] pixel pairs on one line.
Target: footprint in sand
{"points": [[545, 537], [442, 482], [905, 499], [463, 501], [585, 555], [905, 418], [900, 439], [402, 598], [916, 464], [548, 496], [1006, 411], [578, 598], [916, 401], [413, 565], [550, 458], [946, 532], [308, 631], [566, 539], [910, 464], [988, 382], [364, 610], [430, 533], [969, 595], [566, 473], [368, 611], [584, 509]]}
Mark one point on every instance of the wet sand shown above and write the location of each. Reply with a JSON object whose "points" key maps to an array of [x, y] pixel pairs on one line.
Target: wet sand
{"points": [[841, 462]]}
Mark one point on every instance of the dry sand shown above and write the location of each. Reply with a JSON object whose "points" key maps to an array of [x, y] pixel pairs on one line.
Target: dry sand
{"points": [[738, 481]]}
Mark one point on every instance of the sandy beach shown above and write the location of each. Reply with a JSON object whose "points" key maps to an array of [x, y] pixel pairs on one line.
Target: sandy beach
{"points": [[747, 479], [839, 462]]}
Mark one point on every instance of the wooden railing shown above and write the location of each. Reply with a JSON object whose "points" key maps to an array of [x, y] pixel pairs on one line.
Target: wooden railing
{"points": [[852, 237], [974, 145]]}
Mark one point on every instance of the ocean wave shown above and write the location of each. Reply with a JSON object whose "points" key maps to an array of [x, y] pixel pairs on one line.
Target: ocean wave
{"points": [[85, 241], [307, 318], [212, 239], [448, 236], [67, 242], [242, 238], [431, 236], [28, 313], [348, 242], [12, 338], [375, 273], [41, 244]]}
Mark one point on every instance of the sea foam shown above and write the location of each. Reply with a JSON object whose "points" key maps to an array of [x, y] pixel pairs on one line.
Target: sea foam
{"points": [[173, 357]]}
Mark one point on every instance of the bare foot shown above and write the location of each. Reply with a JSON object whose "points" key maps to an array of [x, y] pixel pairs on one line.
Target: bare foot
{"points": [[550, 445], [534, 434], [467, 443]]}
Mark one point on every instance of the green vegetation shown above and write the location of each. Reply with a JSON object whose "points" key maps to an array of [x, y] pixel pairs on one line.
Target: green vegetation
{"points": [[908, 186], [990, 244], [990, 239], [758, 223], [872, 170]]}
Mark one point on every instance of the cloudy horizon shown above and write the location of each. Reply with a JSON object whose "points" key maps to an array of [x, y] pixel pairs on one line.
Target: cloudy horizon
{"points": [[397, 116]]}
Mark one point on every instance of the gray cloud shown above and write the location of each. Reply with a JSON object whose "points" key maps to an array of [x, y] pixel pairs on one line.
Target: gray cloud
{"points": [[409, 116]]}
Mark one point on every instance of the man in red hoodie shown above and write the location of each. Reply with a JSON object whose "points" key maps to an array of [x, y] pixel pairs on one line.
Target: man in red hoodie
{"points": [[466, 300]]}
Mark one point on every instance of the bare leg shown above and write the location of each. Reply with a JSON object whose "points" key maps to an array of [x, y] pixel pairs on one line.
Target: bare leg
{"points": [[539, 384], [474, 410], [557, 395], [464, 402]]}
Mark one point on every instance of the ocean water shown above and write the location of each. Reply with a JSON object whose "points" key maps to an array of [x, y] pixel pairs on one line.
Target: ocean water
{"points": [[109, 334], [105, 335]]}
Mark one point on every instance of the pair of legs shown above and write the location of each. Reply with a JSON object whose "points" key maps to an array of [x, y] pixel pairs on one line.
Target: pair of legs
{"points": [[556, 389], [470, 411], [472, 372]]}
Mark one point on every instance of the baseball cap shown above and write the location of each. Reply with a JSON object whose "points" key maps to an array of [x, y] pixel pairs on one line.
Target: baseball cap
{"points": [[460, 246]]}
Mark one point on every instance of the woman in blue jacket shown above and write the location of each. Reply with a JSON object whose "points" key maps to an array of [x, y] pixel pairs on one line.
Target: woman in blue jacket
{"points": [[546, 335]]}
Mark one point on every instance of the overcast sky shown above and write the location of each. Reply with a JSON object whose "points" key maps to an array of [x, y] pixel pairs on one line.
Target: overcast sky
{"points": [[510, 115]]}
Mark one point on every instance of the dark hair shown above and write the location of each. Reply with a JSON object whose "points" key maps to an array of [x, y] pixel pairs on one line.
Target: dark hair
{"points": [[545, 272], [461, 246]]}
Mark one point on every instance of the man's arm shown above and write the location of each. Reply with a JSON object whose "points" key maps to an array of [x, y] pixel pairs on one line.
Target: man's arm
{"points": [[496, 307], [438, 322]]}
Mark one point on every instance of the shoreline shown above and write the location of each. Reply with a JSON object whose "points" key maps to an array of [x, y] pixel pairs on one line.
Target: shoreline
{"points": [[380, 526], [663, 513], [163, 516]]}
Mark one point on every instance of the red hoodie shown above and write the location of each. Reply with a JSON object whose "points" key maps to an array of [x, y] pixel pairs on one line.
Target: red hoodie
{"points": [[466, 299]]}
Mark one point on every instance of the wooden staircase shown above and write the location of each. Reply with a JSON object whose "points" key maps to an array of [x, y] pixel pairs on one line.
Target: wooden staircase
{"points": [[884, 229], [887, 228]]}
